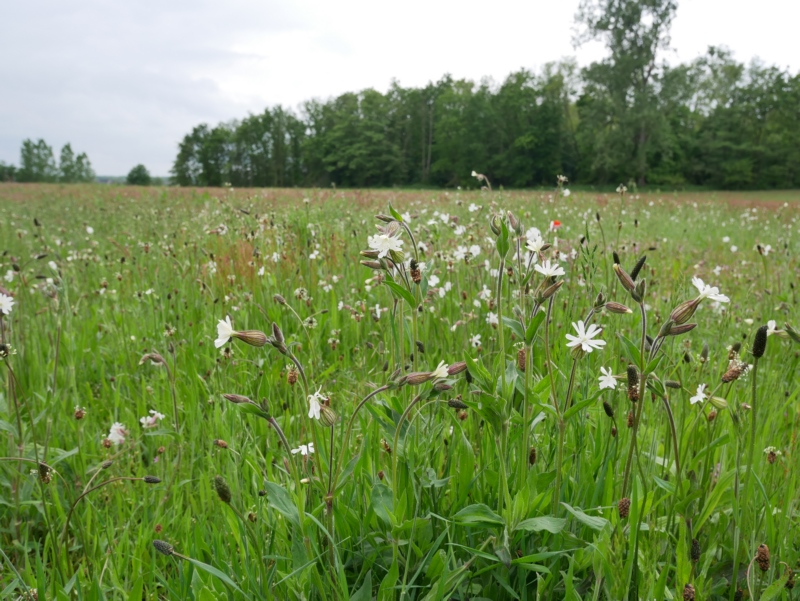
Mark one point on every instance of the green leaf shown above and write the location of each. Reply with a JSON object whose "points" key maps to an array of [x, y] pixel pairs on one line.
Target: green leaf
{"points": [[502, 239], [279, 498], [365, 592], [214, 572], [578, 407], [382, 503], [252, 409], [633, 351], [593, 522], [533, 326], [545, 522], [478, 514], [401, 292], [723, 486], [774, 590], [394, 213], [515, 326]]}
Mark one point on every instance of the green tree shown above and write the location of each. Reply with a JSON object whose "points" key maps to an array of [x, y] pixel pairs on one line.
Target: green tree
{"points": [[67, 168], [37, 163], [7, 172], [138, 176]]}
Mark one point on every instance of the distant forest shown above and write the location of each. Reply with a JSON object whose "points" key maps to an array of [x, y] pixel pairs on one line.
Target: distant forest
{"points": [[713, 122]]}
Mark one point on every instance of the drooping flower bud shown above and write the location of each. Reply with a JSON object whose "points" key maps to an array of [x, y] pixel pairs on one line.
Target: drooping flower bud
{"points": [[237, 398], [372, 265], [683, 312], [494, 224], [418, 377], [277, 333], [255, 338], [514, 222], [626, 280], [456, 368], [327, 416], [618, 308], [682, 329]]}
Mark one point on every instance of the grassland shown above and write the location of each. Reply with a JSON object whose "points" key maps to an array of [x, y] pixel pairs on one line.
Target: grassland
{"points": [[511, 475]]}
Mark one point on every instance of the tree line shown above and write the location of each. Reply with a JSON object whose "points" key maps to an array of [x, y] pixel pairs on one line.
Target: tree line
{"points": [[711, 122], [38, 164]]}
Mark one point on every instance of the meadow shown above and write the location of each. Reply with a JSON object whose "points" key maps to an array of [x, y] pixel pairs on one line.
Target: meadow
{"points": [[351, 394]]}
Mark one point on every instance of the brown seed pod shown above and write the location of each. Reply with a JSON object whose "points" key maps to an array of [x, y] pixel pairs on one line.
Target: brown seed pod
{"points": [[762, 557], [624, 507], [688, 593], [521, 359], [695, 552], [532, 456]]}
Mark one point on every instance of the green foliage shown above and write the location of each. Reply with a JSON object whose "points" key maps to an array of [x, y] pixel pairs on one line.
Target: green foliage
{"points": [[138, 176]]}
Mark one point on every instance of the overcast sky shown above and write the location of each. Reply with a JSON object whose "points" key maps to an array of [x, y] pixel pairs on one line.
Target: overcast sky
{"points": [[125, 80]]}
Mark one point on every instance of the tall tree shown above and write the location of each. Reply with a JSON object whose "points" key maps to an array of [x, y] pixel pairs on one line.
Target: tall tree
{"points": [[624, 109], [37, 163]]}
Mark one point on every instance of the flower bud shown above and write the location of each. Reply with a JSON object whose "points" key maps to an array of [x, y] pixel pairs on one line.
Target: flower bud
{"points": [[457, 404], [551, 290], [370, 254], [683, 312], [617, 308], [163, 547], [672, 384], [718, 402], [106, 464], [639, 292], [678, 330], [327, 416], [442, 386], [760, 342], [638, 267], [456, 368], [252, 337], [514, 222], [372, 264], [384, 218], [277, 333], [418, 377], [151, 480], [279, 299], [154, 357], [237, 399], [494, 224], [626, 280]]}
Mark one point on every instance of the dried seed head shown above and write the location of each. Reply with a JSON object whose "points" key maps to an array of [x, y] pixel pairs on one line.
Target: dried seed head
{"points": [[386, 446], [638, 267], [218, 442], [616, 258], [688, 593], [762, 557], [252, 337], [279, 299], [416, 274], [292, 374], [381, 475], [633, 383], [223, 491], [532, 456], [154, 357], [608, 409], [712, 415], [613, 431], [790, 581], [624, 507], [630, 419], [695, 551], [735, 369], [772, 456], [106, 464], [151, 480], [163, 547], [45, 473], [672, 384], [521, 359], [704, 353], [733, 351], [760, 342], [80, 413], [456, 403]]}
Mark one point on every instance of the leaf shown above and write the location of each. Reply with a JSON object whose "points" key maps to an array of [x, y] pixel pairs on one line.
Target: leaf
{"points": [[533, 327], [593, 522], [633, 351], [723, 486], [382, 503], [502, 239], [365, 592], [545, 522], [774, 590], [279, 498], [214, 572], [253, 409], [402, 293], [515, 326], [578, 407], [478, 514], [394, 213]]}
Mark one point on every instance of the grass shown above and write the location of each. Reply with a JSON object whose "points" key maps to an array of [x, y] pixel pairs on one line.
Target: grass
{"points": [[492, 482]]}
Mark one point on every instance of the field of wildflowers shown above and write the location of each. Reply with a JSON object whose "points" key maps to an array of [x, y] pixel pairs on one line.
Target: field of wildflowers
{"points": [[334, 394]]}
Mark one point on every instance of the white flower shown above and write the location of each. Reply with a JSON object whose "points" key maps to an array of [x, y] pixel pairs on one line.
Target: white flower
{"points": [[485, 294], [772, 327], [276, 257], [151, 420], [52, 265], [711, 292], [726, 239], [304, 449], [9, 277], [473, 207], [734, 248], [566, 192], [261, 270], [384, 244], [441, 371], [474, 250], [535, 243], [491, 319], [433, 281], [461, 253], [377, 311], [6, 303], [475, 340], [474, 173], [314, 405], [117, 433], [585, 337], [607, 380], [314, 254], [224, 331], [459, 230], [700, 396], [89, 230], [548, 269], [406, 216]]}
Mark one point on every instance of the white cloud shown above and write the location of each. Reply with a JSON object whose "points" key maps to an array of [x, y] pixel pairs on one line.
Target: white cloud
{"points": [[124, 81]]}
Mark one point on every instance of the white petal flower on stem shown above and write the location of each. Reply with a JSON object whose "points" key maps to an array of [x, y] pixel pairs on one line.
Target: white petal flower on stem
{"points": [[607, 380], [772, 327], [433, 281], [304, 449], [314, 405], [383, 244], [475, 340], [700, 396], [224, 331], [566, 192], [707, 291], [440, 372], [535, 243], [6, 304], [150, 421], [548, 269], [491, 319], [585, 337], [117, 433]]}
